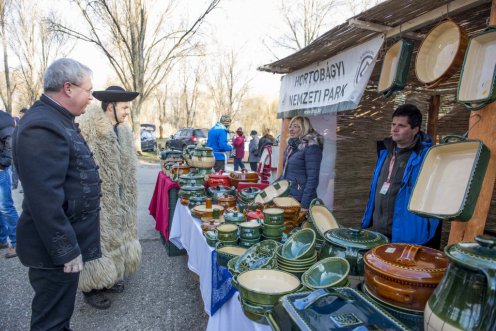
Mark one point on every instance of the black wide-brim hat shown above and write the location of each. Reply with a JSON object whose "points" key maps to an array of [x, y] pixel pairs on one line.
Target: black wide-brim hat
{"points": [[115, 94]]}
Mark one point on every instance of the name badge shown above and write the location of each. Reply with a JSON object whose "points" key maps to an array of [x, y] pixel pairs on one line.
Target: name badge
{"points": [[384, 188]]}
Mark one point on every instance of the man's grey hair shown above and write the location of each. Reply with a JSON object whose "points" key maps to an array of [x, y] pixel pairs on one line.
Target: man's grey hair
{"points": [[65, 70]]}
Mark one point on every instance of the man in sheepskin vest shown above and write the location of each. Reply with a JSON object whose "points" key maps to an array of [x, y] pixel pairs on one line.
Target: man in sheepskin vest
{"points": [[112, 145]]}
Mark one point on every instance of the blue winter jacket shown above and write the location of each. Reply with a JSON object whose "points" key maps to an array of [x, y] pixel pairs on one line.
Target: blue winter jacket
{"points": [[217, 140], [407, 227], [302, 169]]}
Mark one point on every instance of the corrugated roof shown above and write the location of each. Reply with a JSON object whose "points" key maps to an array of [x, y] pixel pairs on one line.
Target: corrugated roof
{"points": [[390, 13]]}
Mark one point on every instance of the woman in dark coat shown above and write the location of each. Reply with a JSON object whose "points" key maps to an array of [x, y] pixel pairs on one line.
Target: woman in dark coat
{"points": [[302, 160]]}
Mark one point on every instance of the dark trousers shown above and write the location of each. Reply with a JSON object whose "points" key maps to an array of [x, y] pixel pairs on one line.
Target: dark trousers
{"points": [[238, 164], [253, 166], [219, 165], [54, 296]]}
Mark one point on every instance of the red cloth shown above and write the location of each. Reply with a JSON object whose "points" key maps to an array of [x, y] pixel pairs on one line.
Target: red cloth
{"points": [[265, 166], [239, 146], [159, 205]]}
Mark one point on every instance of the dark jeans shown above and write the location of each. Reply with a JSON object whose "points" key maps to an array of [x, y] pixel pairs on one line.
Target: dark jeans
{"points": [[54, 296], [219, 165], [254, 166], [238, 164]]}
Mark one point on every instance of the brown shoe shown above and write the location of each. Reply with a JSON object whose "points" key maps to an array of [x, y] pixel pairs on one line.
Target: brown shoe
{"points": [[11, 253], [98, 300]]}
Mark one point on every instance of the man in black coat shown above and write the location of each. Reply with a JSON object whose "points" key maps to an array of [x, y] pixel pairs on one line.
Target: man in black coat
{"points": [[59, 227]]}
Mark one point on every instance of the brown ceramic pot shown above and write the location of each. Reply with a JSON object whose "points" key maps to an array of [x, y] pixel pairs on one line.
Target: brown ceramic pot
{"points": [[243, 176], [404, 275], [290, 205], [226, 201]]}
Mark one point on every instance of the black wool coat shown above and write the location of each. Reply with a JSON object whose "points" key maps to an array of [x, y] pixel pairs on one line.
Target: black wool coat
{"points": [[60, 217]]}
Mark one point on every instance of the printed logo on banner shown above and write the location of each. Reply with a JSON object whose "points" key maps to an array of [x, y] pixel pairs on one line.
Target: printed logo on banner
{"points": [[366, 60]]}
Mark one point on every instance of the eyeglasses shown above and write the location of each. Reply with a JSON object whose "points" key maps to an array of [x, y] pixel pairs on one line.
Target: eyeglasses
{"points": [[89, 91]]}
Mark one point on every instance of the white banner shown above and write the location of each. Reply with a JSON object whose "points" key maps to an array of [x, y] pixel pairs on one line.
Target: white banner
{"points": [[333, 85]]}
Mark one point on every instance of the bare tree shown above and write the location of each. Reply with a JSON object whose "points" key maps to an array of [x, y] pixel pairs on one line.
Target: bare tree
{"points": [[161, 97], [229, 85], [34, 46], [142, 54], [305, 20], [7, 91], [189, 91]]}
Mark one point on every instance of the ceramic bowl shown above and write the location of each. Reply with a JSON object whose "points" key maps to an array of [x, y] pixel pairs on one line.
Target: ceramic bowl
{"points": [[273, 216], [227, 232], [265, 287], [261, 255], [249, 230], [247, 243], [273, 230], [329, 272], [300, 245], [211, 238], [226, 252]]}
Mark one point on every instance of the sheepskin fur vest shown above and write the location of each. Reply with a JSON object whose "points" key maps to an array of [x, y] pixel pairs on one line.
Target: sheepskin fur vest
{"points": [[121, 250]]}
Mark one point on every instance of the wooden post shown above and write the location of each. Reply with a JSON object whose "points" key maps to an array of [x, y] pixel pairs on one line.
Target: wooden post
{"points": [[483, 124], [433, 116], [283, 142]]}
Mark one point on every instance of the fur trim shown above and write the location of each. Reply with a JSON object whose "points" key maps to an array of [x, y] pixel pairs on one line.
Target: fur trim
{"points": [[312, 138], [121, 250]]}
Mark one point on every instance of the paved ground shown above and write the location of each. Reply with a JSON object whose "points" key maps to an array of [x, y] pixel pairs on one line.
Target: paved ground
{"points": [[162, 295]]}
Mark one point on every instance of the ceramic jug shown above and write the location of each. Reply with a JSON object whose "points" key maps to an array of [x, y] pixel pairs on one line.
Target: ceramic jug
{"points": [[466, 297]]}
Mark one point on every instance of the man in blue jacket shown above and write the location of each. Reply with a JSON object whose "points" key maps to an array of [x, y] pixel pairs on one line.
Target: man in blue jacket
{"points": [[399, 160], [217, 140]]}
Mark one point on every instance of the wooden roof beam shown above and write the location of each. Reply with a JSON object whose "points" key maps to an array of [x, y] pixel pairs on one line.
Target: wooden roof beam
{"points": [[434, 15], [380, 28]]}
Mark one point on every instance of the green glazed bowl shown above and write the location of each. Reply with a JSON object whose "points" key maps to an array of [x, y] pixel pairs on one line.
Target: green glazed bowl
{"points": [[300, 245], [227, 232], [283, 259], [273, 216], [249, 230], [329, 272], [273, 230], [211, 238], [227, 252]]}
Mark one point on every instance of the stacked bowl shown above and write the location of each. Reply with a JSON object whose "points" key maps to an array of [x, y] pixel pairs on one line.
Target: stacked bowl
{"points": [[273, 223], [327, 273], [249, 233], [298, 254]]}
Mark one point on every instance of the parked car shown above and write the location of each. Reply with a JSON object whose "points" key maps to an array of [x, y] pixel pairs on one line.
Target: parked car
{"points": [[185, 137], [148, 139]]}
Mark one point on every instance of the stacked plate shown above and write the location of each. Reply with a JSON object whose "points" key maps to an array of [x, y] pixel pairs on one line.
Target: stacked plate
{"points": [[298, 254]]}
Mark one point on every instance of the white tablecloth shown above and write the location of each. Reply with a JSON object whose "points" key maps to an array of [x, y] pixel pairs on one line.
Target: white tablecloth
{"points": [[231, 317], [186, 233]]}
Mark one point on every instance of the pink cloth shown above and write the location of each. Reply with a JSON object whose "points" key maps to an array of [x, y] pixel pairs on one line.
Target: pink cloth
{"points": [[159, 205]]}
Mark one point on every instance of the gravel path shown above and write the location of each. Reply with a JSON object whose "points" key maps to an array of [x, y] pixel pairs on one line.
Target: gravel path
{"points": [[162, 295]]}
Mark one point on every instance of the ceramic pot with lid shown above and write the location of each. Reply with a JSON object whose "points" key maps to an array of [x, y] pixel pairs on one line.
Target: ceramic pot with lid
{"points": [[218, 179], [254, 215], [243, 176], [234, 217], [219, 190], [188, 191], [226, 200], [351, 244], [201, 157], [273, 216], [196, 200], [249, 230], [468, 287], [191, 178], [178, 169], [248, 194], [403, 275]]}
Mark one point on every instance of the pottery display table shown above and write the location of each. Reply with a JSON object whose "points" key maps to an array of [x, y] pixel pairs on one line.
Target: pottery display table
{"points": [[215, 281], [220, 298]]}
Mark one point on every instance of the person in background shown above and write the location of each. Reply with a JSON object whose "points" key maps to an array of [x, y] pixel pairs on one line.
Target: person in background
{"points": [[217, 140], [8, 213], [59, 227], [111, 141], [253, 156], [265, 151], [15, 177], [239, 147], [301, 162], [398, 165]]}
